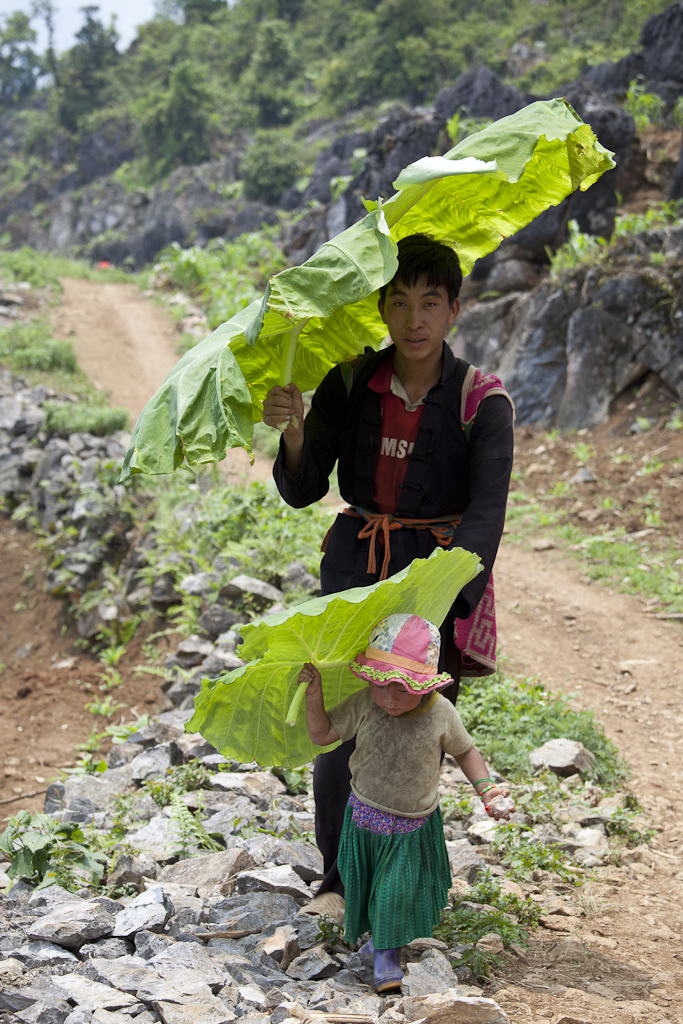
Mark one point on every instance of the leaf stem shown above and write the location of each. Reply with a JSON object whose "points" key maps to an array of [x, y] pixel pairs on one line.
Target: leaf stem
{"points": [[289, 354], [297, 701]]}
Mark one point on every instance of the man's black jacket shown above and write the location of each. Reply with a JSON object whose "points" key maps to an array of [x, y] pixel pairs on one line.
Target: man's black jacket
{"points": [[445, 474]]}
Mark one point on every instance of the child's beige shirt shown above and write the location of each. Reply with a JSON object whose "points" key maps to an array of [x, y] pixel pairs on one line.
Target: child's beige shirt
{"points": [[395, 766]]}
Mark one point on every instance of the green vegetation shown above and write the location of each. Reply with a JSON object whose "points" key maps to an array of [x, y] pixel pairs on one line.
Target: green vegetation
{"points": [[609, 556], [42, 269], [28, 346], [487, 910], [223, 277], [201, 72], [200, 520], [184, 778], [49, 852], [64, 418], [646, 108], [507, 719]]}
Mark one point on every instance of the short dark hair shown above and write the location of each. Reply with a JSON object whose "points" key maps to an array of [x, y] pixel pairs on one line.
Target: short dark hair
{"points": [[421, 258]]}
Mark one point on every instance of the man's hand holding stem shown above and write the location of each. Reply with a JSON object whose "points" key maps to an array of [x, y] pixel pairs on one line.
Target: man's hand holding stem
{"points": [[283, 408]]}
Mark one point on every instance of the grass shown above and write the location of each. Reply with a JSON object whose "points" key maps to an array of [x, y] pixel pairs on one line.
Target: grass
{"points": [[613, 557], [508, 718], [64, 418], [42, 269]]}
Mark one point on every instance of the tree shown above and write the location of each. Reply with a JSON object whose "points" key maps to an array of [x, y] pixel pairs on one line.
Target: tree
{"points": [[270, 166], [175, 122], [83, 68], [20, 65], [268, 83], [45, 9]]}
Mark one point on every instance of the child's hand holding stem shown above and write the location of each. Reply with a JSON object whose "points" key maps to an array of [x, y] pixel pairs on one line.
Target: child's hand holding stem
{"points": [[319, 726]]}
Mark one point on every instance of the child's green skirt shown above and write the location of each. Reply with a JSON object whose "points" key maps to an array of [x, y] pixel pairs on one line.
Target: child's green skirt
{"points": [[396, 883]]}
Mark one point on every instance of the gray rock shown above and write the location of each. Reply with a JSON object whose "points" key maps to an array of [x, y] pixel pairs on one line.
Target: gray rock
{"points": [[221, 661], [433, 973], [44, 1013], [210, 873], [192, 651], [91, 995], [54, 798], [131, 868], [164, 594], [217, 620], [457, 1005], [308, 930], [156, 761], [260, 787], [257, 910], [148, 944], [79, 1016], [51, 897], [193, 744], [562, 756], [278, 880], [159, 838], [244, 587], [127, 973], [109, 949], [362, 965], [148, 912], [204, 1011], [583, 475], [200, 583], [297, 577], [98, 790], [43, 954], [73, 924], [189, 956], [464, 861], [305, 858], [314, 963], [122, 754]]}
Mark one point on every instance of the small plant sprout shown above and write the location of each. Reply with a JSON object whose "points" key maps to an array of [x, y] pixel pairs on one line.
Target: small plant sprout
{"points": [[112, 655], [104, 707], [583, 452], [676, 421], [646, 108]]}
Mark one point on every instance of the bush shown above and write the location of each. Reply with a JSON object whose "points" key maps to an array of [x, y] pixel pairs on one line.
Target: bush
{"points": [[29, 347], [64, 418], [270, 166], [50, 355], [507, 720]]}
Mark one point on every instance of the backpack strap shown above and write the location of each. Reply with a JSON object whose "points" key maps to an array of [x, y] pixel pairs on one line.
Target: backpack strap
{"points": [[475, 388]]}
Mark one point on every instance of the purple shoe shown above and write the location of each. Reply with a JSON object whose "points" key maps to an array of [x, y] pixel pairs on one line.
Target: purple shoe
{"points": [[388, 973], [368, 948]]}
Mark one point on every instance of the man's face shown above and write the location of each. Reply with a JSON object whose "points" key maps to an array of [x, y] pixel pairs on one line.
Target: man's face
{"points": [[394, 698], [418, 318]]}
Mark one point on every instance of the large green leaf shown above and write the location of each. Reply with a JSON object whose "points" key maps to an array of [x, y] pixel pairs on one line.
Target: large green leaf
{"points": [[243, 714], [325, 311]]}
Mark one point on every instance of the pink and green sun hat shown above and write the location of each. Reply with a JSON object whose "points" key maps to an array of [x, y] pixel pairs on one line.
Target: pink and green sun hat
{"points": [[403, 649]]}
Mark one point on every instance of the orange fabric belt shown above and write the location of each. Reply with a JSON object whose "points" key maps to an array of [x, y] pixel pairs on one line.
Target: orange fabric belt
{"points": [[442, 529]]}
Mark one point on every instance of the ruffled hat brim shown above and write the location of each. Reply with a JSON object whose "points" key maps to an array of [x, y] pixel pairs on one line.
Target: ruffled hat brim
{"points": [[381, 674]]}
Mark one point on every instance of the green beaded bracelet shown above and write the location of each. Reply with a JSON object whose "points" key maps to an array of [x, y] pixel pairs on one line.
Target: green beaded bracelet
{"points": [[488, 789]]}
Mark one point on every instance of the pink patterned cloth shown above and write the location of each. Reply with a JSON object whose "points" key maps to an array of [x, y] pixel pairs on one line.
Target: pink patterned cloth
{"points": [[476, 636], [382, 823]]}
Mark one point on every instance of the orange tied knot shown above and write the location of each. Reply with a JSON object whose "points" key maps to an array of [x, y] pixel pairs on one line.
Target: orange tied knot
{"points": [[442, 529]]}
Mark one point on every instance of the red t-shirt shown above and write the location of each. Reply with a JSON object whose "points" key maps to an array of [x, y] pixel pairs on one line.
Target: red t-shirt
{"points": [[398, 436]]}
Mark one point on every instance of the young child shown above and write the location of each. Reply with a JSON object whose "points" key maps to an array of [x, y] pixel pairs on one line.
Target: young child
{"points": [[392, 855]]}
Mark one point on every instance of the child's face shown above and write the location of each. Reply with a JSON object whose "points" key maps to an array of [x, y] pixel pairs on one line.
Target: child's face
{"points": [[394, 698]]}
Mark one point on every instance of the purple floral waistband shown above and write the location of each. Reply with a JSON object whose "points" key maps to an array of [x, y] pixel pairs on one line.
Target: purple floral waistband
{"points": [[382, 822]]}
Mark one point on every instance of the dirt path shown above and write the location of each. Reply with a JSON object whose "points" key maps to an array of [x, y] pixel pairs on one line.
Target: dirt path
{"points": [[123, 342], [579, 637]]}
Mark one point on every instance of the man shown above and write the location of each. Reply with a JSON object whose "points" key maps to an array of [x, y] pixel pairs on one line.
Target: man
{"points": [[424, 448]]}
